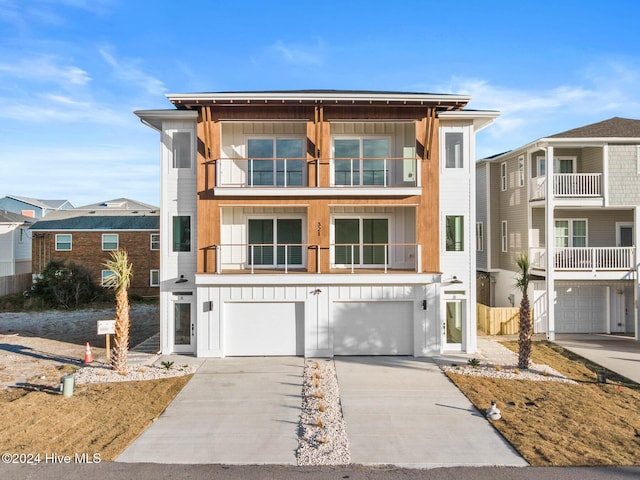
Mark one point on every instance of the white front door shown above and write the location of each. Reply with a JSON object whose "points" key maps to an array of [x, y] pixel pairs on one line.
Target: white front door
{"points": [[453, 325], [184, 326]]}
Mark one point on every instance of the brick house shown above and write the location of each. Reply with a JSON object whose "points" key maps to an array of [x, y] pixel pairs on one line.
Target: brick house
{"points": [[86, 236]]}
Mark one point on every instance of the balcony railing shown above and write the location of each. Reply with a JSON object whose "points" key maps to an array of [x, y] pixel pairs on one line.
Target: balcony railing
{"points": [[376, 256], [260, 256], [586, 258], [262, 172], [375, 172], [568, 185]]}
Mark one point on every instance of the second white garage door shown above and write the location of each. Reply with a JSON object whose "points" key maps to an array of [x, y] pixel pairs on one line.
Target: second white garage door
{"points": [[264, 328], [580, 309], [373, 328]]}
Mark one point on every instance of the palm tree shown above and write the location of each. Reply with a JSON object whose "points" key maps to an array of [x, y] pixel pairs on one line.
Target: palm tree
{"points": [[120, 279], [524, 337]]}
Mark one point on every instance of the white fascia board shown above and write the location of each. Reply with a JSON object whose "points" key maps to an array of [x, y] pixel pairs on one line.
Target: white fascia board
{"points": [[212, 279], [321, 96], [154, 118], [316, 191], [480, 118]]}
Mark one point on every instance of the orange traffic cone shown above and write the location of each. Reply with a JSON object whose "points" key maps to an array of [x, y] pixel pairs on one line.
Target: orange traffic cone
{"points": [[88, 356]]}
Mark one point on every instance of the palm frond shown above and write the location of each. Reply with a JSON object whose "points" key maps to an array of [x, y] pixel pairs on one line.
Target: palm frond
{"points": [[121, 270]]}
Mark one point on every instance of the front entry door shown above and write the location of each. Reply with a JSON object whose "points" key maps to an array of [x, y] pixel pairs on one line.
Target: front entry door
{"points": [[184, 327], [453, 325]]}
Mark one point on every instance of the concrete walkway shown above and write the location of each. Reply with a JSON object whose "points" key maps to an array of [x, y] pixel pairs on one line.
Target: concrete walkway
{"points": [[233, 411], [616, 353], [404, 411]]}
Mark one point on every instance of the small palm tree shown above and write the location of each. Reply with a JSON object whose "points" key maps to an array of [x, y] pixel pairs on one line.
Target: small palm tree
{"points": [[120, 279], [524, 337]]}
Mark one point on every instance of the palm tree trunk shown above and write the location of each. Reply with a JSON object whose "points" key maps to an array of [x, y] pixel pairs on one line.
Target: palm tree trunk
{"points": [[121, 340], [524, 337]]}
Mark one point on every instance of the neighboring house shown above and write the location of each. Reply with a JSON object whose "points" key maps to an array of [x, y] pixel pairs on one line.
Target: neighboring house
{"points": [[317, 223], [86, 236], [580, 230], [31, 207], [15, 244]]}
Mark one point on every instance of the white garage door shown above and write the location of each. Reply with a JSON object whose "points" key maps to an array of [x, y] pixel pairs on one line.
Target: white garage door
{"points": [[264, 328], [580, 309], [373, 328]]}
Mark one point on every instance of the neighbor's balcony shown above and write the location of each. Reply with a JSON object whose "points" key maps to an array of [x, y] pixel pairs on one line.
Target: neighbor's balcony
{"points": [[568, 185], [597, 259]]}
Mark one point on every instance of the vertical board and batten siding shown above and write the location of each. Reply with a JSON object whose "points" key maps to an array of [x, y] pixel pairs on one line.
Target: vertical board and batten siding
{"points": [[513, 207], [623, 178], [482, 179]]}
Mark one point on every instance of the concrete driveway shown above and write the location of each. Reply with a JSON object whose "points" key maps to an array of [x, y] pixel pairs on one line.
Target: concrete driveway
{"points": [[616, 353], [233, 411], [404, 411]]}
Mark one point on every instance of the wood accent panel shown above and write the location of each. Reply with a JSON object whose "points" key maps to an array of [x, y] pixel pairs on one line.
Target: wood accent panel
{"points": [[208, 212], [318, 228]]}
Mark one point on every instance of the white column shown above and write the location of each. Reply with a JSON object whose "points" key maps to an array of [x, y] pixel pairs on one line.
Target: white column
{"points": [[636, 289], [550, 245]]}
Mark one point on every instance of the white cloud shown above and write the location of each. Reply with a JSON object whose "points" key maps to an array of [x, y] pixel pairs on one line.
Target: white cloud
{"points": [[46, 68], [298, 54], [128, 70]]}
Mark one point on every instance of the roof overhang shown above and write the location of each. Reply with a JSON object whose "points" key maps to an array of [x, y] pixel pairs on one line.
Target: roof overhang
{"points": [[154, 118], [445, 101], [480, 118]]}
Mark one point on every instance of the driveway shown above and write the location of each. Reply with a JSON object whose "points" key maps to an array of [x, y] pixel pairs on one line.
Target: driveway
{"points": [[404, 411], [233, 411], [616, 353]]}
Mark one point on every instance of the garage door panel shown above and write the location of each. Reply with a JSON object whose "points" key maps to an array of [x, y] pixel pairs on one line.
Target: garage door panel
{"points": [[580, 309], [264, 328], [373, 328]]}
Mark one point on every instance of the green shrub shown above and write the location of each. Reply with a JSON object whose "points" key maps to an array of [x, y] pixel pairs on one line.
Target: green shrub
{"points": [[66, 286]]}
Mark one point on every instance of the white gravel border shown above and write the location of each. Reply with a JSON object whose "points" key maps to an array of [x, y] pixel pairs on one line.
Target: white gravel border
{"points": [[322, 436], [103, 373], [535, 373]]}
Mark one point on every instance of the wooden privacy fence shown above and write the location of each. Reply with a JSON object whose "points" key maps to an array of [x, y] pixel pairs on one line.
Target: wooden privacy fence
{"points": [[15, 284], [498, 320]]}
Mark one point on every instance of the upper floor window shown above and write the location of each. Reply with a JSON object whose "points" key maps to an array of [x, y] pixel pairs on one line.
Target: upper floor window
{"points": [[454, 233], [504, 236], [521, 171], [181, 233], [480, 237], [63, 242], [155, 241], [275, 241], [503, 176], [570, 233], [361, 161], [109, 241], [276, 161], [181, 149], [361, 241], [453, 146]]}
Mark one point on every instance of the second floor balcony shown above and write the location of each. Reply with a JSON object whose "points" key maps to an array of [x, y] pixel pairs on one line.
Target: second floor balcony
{"points": [[301, 176], [585, 259], [568, 185]]}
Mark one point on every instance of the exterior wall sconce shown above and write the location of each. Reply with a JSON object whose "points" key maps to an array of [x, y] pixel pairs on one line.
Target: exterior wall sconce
{"points": [[454, 281], [424, 304], [182, 279]]}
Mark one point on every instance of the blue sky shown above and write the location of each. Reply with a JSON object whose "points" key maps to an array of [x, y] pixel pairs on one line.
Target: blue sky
{"points": [[73, 71]]}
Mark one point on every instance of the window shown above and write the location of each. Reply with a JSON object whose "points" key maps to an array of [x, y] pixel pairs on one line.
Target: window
{"points": [[107, 278], [270, 238], [480, 237], [109, 241], [276, 161], [504, 236], [361, 241], [570, 233], [453, 150], [521, 171], [455, 233], [63, 242], [182, 233], [181, 149], [503, 176], [155, 241], [361, 161], [542, 166], [154, 278]]}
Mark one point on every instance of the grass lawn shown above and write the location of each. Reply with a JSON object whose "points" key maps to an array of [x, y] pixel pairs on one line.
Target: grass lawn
{"points": [[562, 424], [102, 418]]}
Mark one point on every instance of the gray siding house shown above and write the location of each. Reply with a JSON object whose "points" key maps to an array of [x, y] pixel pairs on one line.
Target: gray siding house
{"points": [[580, 229]]}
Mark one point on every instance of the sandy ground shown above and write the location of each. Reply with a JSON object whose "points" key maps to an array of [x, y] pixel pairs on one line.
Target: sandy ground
{"points": [[39, 344]]}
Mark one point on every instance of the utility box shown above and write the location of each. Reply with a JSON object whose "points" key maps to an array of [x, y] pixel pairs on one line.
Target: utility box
{"points": [[67, 385]]}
